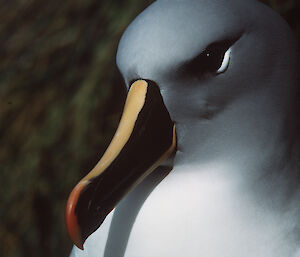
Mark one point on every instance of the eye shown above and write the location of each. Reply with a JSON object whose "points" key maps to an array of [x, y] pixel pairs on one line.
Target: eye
{"points": [[214, 59]]}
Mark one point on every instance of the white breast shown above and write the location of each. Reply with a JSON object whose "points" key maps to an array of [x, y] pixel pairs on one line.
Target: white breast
{"points": [[197, 212]]}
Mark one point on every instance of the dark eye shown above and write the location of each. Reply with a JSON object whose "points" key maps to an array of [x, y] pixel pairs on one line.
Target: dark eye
{"points": [[213, 60]]}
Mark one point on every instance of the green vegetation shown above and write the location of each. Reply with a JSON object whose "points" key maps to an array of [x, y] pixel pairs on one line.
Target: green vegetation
{"points": [[60, 101]]}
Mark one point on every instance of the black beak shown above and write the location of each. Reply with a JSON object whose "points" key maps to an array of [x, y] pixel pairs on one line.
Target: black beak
{"points": [[144, 139]]}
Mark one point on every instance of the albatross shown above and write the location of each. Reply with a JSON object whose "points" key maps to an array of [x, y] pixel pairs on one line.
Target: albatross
{"points": [[205, 161]]}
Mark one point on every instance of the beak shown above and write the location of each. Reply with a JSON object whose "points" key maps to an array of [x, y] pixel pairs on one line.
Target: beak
{"points": [[144, 139]]}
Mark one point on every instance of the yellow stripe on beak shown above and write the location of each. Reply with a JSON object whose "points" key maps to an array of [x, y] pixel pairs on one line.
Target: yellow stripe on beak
{"points": [[133, 105]]}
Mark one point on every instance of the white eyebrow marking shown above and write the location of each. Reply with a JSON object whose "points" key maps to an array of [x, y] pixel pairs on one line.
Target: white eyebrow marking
{"points": [[225, 62]]}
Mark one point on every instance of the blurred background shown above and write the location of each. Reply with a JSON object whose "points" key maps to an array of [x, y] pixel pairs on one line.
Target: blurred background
{"points": [[60, 102]]}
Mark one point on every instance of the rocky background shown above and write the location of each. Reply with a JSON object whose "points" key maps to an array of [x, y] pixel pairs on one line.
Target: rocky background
{"points": [[60, 101]]}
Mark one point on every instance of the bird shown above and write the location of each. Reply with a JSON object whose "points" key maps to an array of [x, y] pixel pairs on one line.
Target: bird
{"points": [[205, 161]]}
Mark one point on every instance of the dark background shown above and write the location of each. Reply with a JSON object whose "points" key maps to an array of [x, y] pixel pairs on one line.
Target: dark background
{"points": [[60, 101]]}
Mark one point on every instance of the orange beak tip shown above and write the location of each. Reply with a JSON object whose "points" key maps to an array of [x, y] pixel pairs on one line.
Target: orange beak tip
{"points": [[71, 217]]}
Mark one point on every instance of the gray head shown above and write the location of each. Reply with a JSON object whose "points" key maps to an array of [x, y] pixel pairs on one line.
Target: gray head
{"points": [[248, 100]]}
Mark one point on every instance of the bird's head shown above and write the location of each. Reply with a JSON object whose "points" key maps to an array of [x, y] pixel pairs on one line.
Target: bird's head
{"points": [[216, 69]]}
